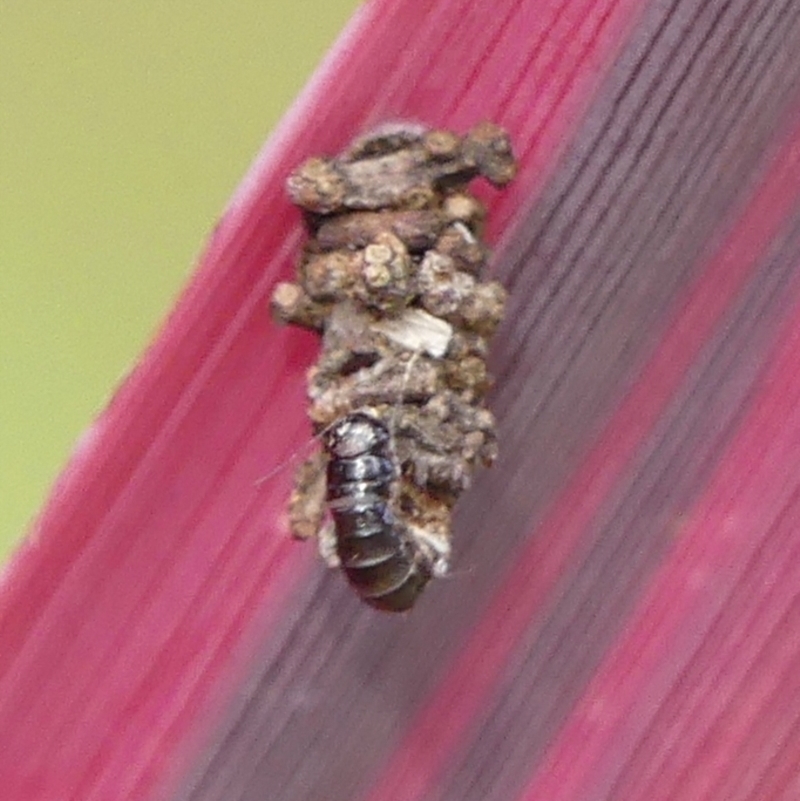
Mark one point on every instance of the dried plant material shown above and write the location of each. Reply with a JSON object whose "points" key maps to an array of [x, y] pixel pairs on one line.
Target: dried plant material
{"points": [[402, 167], [391, 278]]}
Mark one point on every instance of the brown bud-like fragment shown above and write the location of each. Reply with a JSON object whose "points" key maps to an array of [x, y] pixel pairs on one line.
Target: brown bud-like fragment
{"points": [[290, 304], [385, 271], [467, 252], [442, 145], [317, 186], [466, 209], [483, 309], [489, 147], [329, 277]]}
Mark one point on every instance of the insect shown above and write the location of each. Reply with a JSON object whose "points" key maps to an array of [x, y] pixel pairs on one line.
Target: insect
{"points": [[391, 279], [382, 561]]}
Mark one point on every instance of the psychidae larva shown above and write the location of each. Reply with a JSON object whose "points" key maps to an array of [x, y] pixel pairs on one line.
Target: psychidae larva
{"points": [[376, 551], [391, 278]]}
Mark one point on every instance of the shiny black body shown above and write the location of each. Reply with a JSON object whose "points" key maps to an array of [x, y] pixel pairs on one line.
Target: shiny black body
{"points": [[377, 555]]}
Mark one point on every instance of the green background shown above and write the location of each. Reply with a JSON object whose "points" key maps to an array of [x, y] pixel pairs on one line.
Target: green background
{"points": [[124, 128]]}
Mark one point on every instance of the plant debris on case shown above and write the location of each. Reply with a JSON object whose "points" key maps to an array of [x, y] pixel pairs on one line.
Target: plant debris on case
{"points": [[391, 279]]}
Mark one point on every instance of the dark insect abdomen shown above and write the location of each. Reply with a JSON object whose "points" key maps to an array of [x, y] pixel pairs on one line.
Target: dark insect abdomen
{"points": [[374, 549]]}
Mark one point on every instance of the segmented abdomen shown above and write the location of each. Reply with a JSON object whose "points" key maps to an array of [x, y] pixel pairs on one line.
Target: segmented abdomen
{"points": [[374, 548]]}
